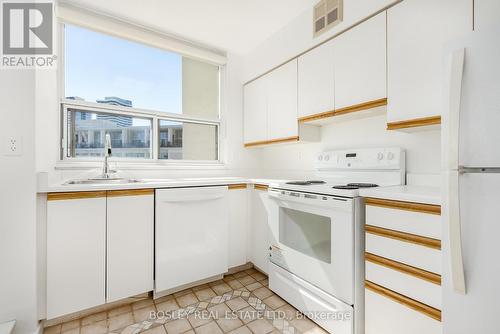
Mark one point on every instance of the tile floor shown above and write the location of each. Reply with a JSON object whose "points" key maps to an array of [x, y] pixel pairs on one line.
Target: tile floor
{"points": [[240, 303]]}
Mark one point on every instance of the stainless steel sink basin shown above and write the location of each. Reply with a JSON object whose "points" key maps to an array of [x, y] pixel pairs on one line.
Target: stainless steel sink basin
{"points": [[103, 181]]}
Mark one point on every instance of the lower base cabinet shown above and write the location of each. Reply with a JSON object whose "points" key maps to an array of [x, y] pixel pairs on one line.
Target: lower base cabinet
{"points": [[258, 245]]}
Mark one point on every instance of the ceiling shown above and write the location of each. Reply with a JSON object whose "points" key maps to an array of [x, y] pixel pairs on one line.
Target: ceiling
{"points": [[231, 25]]}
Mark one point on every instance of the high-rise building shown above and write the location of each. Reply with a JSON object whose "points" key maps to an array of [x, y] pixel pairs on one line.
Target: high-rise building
{"points": [[120, 121]]}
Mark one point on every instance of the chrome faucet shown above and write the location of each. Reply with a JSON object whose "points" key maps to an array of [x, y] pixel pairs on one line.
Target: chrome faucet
{"points": [[106, 171]]}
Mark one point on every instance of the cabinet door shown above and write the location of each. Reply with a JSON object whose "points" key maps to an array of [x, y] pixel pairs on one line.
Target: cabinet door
{"points": [[416, 34], [486, 14], [258, 245], [191, 235], [76, 253], [255, 110], [238, 209], [282, 102], [316, 80], [360, 63], [130, 219]]}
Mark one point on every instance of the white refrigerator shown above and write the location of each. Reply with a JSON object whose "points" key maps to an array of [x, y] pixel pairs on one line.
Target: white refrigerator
{"points": [[471, 185]]}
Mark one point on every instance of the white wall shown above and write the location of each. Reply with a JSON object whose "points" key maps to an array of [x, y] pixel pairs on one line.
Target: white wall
{"points": [[17, 202], [296, 160]]}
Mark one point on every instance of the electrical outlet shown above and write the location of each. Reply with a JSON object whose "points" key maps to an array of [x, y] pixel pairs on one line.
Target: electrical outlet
{"points": [[13, 146]]}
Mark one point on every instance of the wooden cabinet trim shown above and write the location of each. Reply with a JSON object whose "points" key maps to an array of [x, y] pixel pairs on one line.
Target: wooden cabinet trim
{"points": [[404, 268], [237, 186], [272, 141], [408, 206], [130, 192], [75, 195], [413, 123], [262, 187], [403, 300], [402, 236], [345, 110]]}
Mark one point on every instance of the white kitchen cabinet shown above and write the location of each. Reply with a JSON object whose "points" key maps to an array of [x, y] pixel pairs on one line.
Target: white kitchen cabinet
{"points": [[417, 32], [76, 252], [259, 231], [360, 63], [486, 14], [282, 102], [237, 198], [130, 222], [191, 235], [316, 81], [255, 107]]}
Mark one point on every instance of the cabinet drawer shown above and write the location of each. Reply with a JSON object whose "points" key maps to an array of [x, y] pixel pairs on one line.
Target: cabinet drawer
{"points": [[408, 253], [405, 284], [424, 224], [396, 317]]}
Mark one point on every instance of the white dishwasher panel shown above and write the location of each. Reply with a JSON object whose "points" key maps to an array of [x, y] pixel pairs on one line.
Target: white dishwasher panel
{"points": [[191, 235]]}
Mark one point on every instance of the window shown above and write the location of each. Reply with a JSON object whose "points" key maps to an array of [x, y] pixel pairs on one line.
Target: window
{"points": [[155, 104]]}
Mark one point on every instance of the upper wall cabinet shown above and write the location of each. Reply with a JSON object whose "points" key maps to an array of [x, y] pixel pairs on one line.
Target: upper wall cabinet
{"points": [[360, 63], [486, 14], [416, 34], [255, 106], [316, 80]]}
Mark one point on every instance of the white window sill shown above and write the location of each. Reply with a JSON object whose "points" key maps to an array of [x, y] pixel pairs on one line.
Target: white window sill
{"points": [[134, 165]]}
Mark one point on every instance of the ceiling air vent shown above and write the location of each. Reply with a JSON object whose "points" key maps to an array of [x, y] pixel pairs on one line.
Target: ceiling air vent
{"points": [[327, 14]]}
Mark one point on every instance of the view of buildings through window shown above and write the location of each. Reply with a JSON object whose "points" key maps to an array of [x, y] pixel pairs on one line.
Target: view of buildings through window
{"points": [[99, 69]]}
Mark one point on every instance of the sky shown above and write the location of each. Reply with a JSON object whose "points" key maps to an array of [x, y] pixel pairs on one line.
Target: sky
{"points": [[99, 65]]}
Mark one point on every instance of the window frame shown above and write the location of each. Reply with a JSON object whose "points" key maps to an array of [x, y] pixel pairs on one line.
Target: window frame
{"points": [[154, 115]]}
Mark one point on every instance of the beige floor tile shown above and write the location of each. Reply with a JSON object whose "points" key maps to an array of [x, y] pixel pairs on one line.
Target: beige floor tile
{"points": [[237, 304], [228, 324], [260, 326], [156, 330], [163, 299], [221, 289], [274, 302], [191, 331], [246, 280], [52, 329], [262, 293], [303, 324], [241, 330], [248, 314], [235, 284], [72, 331], [70, 325], [99, 327], [228, 278], [186, 300], [251, 271], [258, 276], [94, 318], [200, 287], [144, 313], [121, 321], [253, 286], [289, 311], [167, 306], [217, 282], [316, 330], [205, 294], [177, 326], [265, 282], [199, 319], [240, 274], [183, 292], [210, 328], [142, 303], [219, 311], [119, 310]]}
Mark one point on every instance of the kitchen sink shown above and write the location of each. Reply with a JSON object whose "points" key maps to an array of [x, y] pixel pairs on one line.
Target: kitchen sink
{"points": [[103, 181]]}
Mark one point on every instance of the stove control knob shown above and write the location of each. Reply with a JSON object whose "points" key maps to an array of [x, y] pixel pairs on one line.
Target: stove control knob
{"points": [[380, 156], [320, 158], [327, 157], [390, 156]]}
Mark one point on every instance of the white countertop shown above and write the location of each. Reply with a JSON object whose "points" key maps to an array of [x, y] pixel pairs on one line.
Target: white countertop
{"points": [[153, 183], [411, 193]]}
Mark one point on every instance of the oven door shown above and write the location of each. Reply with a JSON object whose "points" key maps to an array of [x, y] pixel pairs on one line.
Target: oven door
{"points": [[312, 236]]}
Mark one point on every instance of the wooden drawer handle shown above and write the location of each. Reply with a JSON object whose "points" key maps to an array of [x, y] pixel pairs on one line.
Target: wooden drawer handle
{"points": [[402, 236], [237, 186], [404, 268], [262, 187], [403, 300], [75, 195], [407, 206], [130, 192]]}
